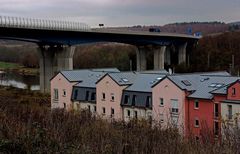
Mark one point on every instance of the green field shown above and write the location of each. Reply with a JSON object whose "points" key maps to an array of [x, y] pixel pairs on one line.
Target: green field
{"points": [[6, 65]]}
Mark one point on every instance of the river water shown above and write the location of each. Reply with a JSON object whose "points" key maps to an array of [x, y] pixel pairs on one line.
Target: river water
{"points": [[19, 81]]}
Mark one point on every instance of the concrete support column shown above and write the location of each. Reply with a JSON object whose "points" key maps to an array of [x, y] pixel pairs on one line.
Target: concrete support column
{"points": [[168, 56], [141, 59], [182, 50], [159, 56], [64, 58], [46, 70], [52, 60]]}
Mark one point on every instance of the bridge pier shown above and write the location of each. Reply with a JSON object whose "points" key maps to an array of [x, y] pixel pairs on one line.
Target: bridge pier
{"points": [[141, 58], [52, 60], [182, 50], [168, 56], [159, 57]]}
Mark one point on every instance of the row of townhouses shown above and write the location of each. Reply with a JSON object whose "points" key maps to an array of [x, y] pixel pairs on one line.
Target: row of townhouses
{"points": [[195, 103]]}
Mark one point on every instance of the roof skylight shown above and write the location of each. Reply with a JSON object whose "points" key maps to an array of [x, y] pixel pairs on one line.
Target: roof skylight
{"points": [[125, 80], [186, 83]]}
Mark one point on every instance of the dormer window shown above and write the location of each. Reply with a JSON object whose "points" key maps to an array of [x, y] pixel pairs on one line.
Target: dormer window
{"points": [[126, 99]]}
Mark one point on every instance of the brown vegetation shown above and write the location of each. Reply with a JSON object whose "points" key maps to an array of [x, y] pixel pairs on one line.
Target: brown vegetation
{"points": [[27, 125]]}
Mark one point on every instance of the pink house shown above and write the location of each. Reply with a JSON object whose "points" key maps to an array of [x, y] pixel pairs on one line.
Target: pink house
{"points": [[61, 91], [168, 104], [62, 85], [109, 94]]}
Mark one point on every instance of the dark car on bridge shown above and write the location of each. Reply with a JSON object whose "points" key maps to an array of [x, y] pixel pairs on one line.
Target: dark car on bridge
{"points": [[154, 30]]}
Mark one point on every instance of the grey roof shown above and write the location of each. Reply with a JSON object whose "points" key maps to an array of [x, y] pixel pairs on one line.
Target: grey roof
{"points": [[222, 90], [83, 75], [124, 78], [144, 82], [162, 71], [201, 85], [75, 75], [105, 70], [89, 79], [231, 101]]}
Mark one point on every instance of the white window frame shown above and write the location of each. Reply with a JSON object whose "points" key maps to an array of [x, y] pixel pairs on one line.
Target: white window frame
{"points": [[56, 95], [64, 93], [195, 107], [161, 102], [112, 96], [174, 106], [196, 126]]}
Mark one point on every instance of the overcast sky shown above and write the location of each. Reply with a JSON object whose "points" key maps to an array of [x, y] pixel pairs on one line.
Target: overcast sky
{"points": [[125, 12]]}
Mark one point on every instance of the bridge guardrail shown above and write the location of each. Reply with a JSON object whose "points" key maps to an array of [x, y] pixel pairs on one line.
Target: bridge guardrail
{"points": [[19, 22]]}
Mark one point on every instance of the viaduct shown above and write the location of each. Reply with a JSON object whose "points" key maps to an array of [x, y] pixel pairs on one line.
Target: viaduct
{"points": [[57, 40]]}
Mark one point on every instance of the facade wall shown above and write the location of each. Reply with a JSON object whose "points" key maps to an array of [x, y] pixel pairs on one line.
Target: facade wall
{"points": [[78, 105], [205, 116], [225, 112], [231, 95], [169, 92], [110, 89], [142, 113], [60, 84]]}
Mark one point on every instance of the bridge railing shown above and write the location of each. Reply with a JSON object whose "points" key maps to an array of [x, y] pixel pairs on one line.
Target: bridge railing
{"points": [[19, 22]]}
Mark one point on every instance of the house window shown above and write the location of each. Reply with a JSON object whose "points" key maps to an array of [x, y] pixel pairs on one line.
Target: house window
{"points": [[134, 100], [174, 121], [136, 114], [103, 110], [161, 118], [64, 105], [233, 91], [103, 96], [64, 92], [56, 94], [128, 113], [93, 96], [148, 101], [196, 123], [216, 128], [112, 111], [196, 104], [78, 106], [230, 112], [89, 108], [126, 99], [95, 108], [161, 102], [112, 97], [174, 103], [75, 94], [216, 109], [87, 96]]}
